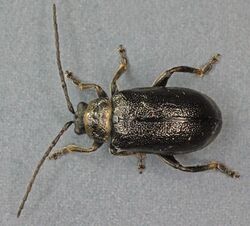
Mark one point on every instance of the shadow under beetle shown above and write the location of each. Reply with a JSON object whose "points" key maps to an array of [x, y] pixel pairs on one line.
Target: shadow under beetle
{"points": [[151, 120]]}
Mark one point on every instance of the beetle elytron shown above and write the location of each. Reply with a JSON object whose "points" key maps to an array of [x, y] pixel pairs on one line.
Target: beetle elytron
{"points": [[153, 120]]}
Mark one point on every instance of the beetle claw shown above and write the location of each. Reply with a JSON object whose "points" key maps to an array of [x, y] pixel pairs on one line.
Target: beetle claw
{"points": [[235, 174], [67, 74], [121, 49]]}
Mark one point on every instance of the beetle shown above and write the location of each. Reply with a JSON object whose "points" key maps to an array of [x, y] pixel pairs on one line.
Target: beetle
{"points": [[159, 120]]}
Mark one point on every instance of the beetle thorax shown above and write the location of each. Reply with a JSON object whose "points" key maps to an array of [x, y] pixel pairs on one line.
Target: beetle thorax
{"points": [[97, 119]]}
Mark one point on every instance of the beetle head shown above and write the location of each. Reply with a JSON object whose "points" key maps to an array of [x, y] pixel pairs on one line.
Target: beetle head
{"points": [[79, 124]]}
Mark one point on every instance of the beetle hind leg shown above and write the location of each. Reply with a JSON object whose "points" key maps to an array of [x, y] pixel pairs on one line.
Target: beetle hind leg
{"points": [[162, 79], [213, 165]]}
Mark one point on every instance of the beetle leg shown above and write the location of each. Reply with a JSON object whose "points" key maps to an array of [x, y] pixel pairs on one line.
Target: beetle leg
{"points": [[74, 148], [82, 86], [121, 69], [121, 153], [162, 79], [170, 160], [140, 156], [141, 162]]}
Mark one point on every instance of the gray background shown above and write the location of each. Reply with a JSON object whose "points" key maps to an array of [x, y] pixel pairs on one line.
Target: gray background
{"points": [[100, 189]]}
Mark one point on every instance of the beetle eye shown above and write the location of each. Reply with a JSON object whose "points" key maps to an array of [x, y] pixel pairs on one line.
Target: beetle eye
{"points": [[79, 130], [81, 107], [79, 124]]}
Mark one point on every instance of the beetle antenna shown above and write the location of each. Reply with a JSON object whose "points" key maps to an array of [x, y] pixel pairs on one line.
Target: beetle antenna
{"points": [[40, 163], [59, 64]]}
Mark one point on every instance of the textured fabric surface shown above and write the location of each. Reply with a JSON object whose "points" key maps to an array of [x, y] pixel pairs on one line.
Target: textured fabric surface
{"points": [[101, 189]]}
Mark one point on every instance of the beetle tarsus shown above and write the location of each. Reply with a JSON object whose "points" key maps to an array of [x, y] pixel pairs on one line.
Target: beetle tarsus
{"points": [[68, 74], [58, 154], [141, 162], [214, 165], [224, 169], [124, 59], [209, 65]]}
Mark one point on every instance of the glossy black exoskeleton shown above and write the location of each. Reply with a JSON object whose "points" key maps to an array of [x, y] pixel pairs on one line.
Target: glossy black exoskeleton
{"points": [[153, 120], [164, 121]]}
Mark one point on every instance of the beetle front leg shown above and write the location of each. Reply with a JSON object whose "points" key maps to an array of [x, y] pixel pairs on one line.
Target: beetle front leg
{"points": [[214, 165], [82, 86], [121, 69], [74, 148], [162, 79]]}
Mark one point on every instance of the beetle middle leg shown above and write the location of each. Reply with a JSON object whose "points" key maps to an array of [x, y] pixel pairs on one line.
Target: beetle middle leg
{"points": [[162, 79], [140, 156], [121, 69], [141, 162], [213, 165], [74, 148], [114, 151]]}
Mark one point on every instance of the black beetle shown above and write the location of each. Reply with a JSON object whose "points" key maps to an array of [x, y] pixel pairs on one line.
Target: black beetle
{"points": [[152, 120]]}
